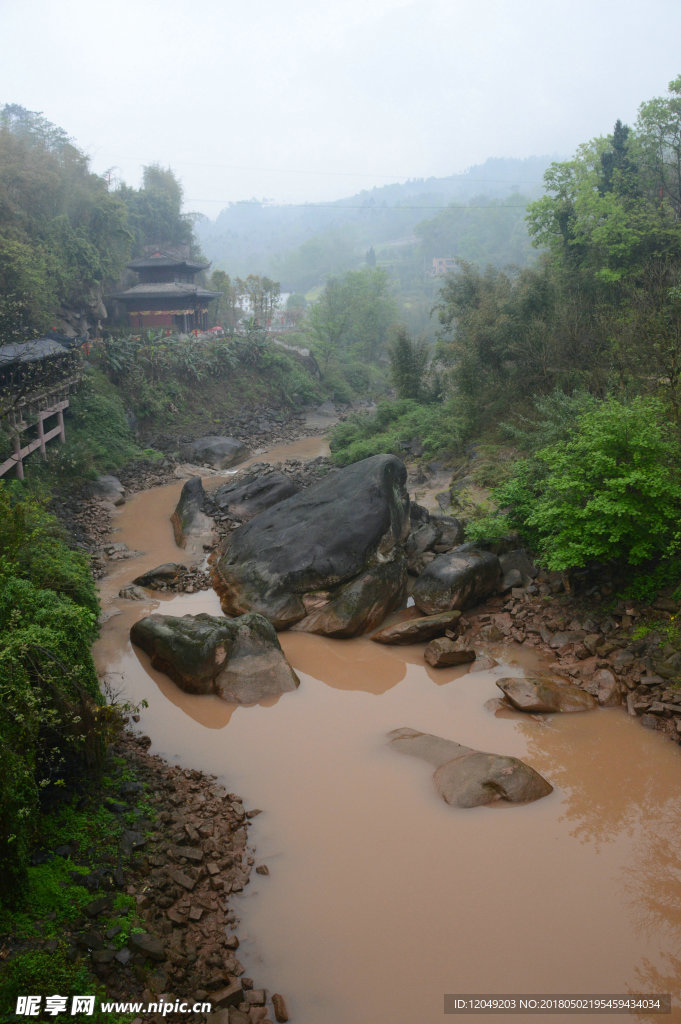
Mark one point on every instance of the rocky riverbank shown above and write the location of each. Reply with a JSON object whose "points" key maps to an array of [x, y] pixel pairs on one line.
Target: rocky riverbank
{"points": [[618, 651], [181, 871]]}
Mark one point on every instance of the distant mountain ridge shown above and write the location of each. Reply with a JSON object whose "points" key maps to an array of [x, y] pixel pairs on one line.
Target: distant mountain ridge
{"points": [[303, 244]]}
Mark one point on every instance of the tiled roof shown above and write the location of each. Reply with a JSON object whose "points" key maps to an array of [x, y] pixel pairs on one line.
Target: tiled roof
{"points": [[166, 289]]}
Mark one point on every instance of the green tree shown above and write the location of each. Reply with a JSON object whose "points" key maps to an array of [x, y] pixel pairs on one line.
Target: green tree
{"points": [[408, 364], [609, 492]]}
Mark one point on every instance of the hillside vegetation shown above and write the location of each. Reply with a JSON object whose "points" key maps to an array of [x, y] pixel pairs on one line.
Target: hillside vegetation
{"points": [[575, 361]]}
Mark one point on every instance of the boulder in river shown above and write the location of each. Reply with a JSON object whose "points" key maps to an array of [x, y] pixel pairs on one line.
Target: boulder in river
{"points": [[190, 523], [361, 604], [460, 579], [155, 578], [218, 452], [444, 651], [468, 778], [336, 546], [248, 497], [417, 631], [541, 694], [238, 659]]}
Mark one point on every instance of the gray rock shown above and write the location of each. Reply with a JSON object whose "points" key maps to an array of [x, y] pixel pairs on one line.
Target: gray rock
{"points": [[443, 652], [608, 693], [133, 593], [166, 573], [477, 778], [108, 487], [420, 630], [468, 778], [459, 579], [254, 494], [238, 659], [521, 562], [148, 945], [361, 604], [218, 452], [541, 694], [512, 578], [450, 532], [190, 523], [290, 560]]}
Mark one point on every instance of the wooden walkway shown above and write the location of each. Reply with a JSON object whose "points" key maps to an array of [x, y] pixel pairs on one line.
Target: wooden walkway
{"points": [[32, 412]]}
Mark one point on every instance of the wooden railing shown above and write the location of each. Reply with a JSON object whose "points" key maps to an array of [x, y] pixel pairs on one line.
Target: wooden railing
{"points": [[32, 411]]}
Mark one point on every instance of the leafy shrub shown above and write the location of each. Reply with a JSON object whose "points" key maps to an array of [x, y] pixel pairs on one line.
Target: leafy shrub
{"points": [[611, 491], [50, 729], [395, 426]]}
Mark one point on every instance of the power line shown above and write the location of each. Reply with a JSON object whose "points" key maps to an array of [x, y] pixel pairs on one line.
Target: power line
{"points": [[339, 205]]}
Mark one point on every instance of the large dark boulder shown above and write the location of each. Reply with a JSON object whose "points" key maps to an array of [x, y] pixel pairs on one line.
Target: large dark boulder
{"points": [[361, 604], [468, 778], [190, 522], [294, 559], [218, 452], [238, 659], [248, 497], [460, 579]]}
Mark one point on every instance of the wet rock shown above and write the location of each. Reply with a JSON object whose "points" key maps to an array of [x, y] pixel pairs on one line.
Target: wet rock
{"points": [[317, 542], [166, 573], [608, 693], [443, 652], [483, 664], [420, 630], [133, 593], [191, 525], [469, 778], [230, 995], [361, 604], [518, 561], [280, 1008], [478, 778], [449, 533], [147, 945], [109, 488], [254, 494], [238, 659], [541, 694], [460, 579], [217, 452], [513, 578]]}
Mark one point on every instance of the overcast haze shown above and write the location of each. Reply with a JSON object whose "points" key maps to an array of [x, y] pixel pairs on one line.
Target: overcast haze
{"points": [[294, 101]]}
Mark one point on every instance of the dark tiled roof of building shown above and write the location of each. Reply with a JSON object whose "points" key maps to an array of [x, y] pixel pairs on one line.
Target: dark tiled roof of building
{"points": [[166, 259], [166, 290], [39, 348]]}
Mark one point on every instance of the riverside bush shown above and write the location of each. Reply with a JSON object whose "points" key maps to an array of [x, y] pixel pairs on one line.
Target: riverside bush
{"points": [[393, 427], [51, 729], [610, 492]]}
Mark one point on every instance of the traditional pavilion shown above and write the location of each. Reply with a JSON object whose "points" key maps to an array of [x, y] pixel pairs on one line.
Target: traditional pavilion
{"points": [[166, 294]]}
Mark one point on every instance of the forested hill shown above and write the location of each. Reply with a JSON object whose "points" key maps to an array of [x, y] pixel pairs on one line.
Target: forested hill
{"points": [[301, 245]]}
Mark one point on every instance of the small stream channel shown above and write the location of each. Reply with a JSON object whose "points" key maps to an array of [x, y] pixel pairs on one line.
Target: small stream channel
{"points": [[380, 897]]}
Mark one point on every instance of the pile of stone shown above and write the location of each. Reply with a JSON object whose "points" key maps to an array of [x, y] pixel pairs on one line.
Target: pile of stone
{"points": [[601, 652], [181, 869]]}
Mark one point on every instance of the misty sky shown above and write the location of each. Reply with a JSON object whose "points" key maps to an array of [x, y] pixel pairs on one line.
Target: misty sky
{"points": [[295, 101]]}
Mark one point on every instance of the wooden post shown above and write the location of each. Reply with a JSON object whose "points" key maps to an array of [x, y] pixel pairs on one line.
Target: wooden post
{"points": [[41, 435], [20, 463], [62, 431]]}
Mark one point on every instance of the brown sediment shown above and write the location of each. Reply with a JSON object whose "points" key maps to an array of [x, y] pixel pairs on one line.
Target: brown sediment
{"points": [[379, 898]]}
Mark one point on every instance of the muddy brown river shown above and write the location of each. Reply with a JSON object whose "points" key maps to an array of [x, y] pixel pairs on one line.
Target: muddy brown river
{"points": [[381, 898]]}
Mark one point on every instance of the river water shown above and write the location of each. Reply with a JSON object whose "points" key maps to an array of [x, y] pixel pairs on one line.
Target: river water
{"points": [[381, 898]]}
